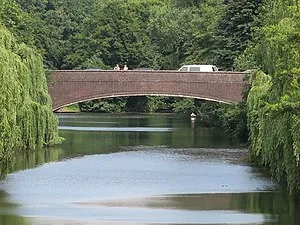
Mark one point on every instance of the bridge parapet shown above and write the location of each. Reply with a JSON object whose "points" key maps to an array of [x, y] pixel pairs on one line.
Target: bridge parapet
{"points": [[71, 86]]}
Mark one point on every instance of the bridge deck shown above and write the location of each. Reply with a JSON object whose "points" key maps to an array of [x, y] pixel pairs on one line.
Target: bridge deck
{"points": [[71, 86]]}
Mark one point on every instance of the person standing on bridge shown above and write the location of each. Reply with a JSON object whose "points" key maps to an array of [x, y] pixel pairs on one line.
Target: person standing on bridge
{"points": [[117, 67], [125, 67]]}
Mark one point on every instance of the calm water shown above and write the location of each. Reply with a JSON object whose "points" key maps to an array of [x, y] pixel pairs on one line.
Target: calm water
{"points": [[141, 169]]}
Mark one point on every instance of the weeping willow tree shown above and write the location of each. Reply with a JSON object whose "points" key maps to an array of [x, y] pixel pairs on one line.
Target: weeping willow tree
{"points": [[26, 118], [274, 99], [274, 124]]}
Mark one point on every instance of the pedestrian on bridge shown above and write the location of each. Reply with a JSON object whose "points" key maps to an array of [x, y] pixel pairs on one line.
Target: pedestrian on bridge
{"points": [[117, 67]]}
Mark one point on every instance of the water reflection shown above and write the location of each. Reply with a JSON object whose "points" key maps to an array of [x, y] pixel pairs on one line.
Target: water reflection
{"points": [[137, 130], [31, 159], [60, 188], [169, 172]]}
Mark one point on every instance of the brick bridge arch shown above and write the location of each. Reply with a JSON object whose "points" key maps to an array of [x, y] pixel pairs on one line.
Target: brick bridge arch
{"points": [[67, 87]]}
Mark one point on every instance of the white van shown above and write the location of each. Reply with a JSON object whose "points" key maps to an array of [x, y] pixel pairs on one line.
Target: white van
{"points": [[198, 68]]}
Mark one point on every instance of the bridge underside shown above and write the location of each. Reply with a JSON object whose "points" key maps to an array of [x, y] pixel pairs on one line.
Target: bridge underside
{"points": [[131, 95], [69, 87]]}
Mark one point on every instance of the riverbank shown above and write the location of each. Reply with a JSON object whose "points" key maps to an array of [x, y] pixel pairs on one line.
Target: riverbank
{"points": [[69, 109]]}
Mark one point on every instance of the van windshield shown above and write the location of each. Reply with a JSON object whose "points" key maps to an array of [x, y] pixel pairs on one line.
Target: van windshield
{"points": [[184, 69]]}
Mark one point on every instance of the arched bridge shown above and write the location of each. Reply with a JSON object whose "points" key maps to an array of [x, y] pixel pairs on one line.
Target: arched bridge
{"points": [[67, 87]]}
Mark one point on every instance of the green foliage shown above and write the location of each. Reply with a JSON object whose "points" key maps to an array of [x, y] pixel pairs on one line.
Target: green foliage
{"points": [[204, 23], [159, 104], [234, 120], [115, 33], [234, 30], [273, 118], [279, 49], [183, 105], [157, 34], [140, 33], [26, 118], [72, 108], [169, 31], [187, 3], [248, 60], [136, 104], [110, 105], [11, 14], [273, 101], [260, 85], [50, 25]]}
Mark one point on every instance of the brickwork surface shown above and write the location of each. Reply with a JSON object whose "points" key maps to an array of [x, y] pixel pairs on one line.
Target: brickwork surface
{"points": [[71, 86]]}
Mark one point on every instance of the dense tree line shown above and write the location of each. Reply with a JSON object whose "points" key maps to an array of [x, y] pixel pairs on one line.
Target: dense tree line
{"points": [[142, 33]]}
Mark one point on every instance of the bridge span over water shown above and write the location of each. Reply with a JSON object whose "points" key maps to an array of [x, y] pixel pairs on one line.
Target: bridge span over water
{"points": [[67, 87]]}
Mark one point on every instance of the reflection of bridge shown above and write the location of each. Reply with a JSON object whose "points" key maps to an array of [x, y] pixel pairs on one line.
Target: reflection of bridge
{"points": [[71, 86]]}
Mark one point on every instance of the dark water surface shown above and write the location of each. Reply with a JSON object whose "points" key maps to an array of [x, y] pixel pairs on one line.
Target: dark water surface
{"points": [[141, 169]]}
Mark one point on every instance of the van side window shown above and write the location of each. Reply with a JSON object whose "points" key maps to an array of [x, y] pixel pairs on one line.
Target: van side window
{"points": [[195, 69]]}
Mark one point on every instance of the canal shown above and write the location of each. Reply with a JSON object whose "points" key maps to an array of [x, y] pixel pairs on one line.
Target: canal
{"points": [[141, 169]]}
